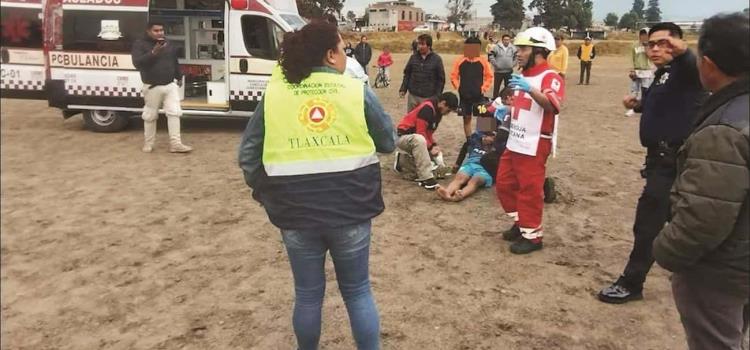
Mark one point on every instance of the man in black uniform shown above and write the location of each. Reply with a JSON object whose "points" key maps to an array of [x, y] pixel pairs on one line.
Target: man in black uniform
{"points": [[668, 112]]}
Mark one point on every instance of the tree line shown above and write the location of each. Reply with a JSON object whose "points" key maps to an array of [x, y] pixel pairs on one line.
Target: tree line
{"points": [[509, 14], [573, 14]]}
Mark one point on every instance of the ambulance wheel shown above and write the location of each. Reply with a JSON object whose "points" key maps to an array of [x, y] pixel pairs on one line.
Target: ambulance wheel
{"points": [[105, 121]]}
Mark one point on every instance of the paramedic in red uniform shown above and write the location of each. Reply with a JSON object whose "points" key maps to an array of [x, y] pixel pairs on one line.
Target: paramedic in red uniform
{"points": [[156, 60], [536, 103]]}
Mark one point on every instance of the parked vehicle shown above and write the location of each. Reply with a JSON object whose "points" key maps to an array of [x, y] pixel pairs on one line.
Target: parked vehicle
{"points": [[228, 50]]}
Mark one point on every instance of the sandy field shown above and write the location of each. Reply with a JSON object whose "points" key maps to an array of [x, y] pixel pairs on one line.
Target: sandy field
{"points": [[104, 247]]}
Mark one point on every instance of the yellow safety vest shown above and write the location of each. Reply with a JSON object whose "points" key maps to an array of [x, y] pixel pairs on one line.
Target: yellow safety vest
{"points": [[586, 52], [316, 126]]}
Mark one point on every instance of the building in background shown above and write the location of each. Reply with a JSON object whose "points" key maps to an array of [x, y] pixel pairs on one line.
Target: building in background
{"points": [[476, 23], [394, 16]]}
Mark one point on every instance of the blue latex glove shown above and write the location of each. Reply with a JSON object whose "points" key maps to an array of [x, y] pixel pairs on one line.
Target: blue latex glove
{"points": [[501, 113], [518, 82]]}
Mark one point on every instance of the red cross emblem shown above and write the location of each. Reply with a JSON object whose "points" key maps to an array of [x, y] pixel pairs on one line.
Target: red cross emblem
{"points": [[520, 101]]}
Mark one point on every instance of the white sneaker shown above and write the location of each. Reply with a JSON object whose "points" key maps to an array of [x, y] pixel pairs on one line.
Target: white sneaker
{"points": [[630, 113], [180, 148], [147, 148]]}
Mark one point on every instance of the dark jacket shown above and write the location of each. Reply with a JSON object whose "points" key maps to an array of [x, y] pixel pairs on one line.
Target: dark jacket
{"points": [[363, 54], [708, 239], [159, 69], [424, 77], [671, 102], [318, 200]]}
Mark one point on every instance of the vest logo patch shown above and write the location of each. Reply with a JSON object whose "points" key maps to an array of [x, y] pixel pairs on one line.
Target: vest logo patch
{"points": [[317, 115]]}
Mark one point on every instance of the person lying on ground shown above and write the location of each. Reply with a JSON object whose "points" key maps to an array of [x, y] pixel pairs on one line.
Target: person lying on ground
{"points": [[471, 176]]}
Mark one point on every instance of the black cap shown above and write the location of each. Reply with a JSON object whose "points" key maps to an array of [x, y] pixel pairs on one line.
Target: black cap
{"points": [[450, 99], [472, 40]]}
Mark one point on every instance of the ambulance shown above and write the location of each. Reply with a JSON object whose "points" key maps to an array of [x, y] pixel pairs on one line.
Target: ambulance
{"points": [[21, 55], [227, 50]]}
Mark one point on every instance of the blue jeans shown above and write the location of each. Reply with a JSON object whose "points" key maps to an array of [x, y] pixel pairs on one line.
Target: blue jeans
{"points": [[350, 251]]}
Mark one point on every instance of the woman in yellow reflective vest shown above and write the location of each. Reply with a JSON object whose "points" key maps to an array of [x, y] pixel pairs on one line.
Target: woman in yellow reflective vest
{"points": [[309, 154]]}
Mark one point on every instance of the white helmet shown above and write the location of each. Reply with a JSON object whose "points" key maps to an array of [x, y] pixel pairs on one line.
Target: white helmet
{"points": [[536, 37]]}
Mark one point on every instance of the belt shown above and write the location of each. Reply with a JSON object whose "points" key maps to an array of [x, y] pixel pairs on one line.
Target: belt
{"points": [[157, 84]]}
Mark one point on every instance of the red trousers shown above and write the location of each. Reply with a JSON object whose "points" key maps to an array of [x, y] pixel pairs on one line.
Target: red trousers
{"points": [[520, 184]]}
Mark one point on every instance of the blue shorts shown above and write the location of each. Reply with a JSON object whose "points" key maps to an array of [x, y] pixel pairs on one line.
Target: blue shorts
{"points": [[475, 169]]}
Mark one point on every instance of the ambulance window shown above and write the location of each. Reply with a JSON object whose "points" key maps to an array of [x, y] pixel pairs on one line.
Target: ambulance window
{"points": [[21, 27], [109, 31], [261, 37]]}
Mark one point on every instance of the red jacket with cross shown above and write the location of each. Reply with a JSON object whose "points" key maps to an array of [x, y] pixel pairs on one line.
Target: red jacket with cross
{"points": [[555, 96]]}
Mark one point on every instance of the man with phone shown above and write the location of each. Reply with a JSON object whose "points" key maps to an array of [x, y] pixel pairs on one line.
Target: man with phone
{"points": [[669, 108], [156, 60]]}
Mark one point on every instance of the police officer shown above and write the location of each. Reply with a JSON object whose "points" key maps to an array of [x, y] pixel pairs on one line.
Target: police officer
{"points": [[308, 153], [668, 109]]}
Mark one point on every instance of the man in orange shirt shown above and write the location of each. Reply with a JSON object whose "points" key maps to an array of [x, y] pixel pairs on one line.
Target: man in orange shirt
{"points": [[472, 77]]}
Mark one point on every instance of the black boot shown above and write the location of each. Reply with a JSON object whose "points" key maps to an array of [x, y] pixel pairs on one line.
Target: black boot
{"points": [[512, 234], [620, 293], [525, 246]]}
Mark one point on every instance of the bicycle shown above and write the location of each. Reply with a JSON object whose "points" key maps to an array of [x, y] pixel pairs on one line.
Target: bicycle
{"points": [[381, 80]]}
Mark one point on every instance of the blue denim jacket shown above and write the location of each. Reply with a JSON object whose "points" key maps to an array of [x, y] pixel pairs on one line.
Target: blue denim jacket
{"points": [[293, 202]]}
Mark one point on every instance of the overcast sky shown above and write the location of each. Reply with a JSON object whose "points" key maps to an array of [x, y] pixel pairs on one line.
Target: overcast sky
{"points": [[671, 9]]}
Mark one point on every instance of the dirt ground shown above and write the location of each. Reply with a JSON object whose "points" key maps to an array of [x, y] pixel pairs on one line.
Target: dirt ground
{"points": [[104, 247]]}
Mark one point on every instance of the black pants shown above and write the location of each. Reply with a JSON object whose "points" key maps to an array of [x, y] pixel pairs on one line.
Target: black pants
{"points": [[652, 212], [500, 78], [585, 68]]}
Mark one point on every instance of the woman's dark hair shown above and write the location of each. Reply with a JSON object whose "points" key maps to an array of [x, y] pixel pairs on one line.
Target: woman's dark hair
{"points": [[304, 49], [724, 39], [674, 30]]}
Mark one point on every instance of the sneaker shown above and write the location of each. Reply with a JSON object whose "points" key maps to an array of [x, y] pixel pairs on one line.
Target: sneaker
{"points": [[630, 113], [429, 184], [442, 172], [525, 246], [396, 165], [180, 148], [619, 294], [147, 148], [512, 234]]}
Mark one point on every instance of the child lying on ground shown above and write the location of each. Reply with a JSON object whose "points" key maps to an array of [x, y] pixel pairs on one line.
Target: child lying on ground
{"points": [[484, 150], [471, 175]]}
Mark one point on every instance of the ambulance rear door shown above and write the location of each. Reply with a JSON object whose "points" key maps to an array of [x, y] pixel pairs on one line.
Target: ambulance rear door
{"points": [[254, 53], [91, 69], [22, 69]]}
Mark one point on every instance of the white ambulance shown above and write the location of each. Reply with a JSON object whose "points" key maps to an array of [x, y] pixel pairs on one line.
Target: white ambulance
{"points": [[21, 56], [228, 49]]}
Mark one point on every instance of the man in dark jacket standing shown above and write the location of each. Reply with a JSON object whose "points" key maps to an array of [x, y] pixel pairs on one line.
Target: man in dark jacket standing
{"points": [[668, 111], [707, 243], [156, 59], [424, 74], [363, 52]]}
